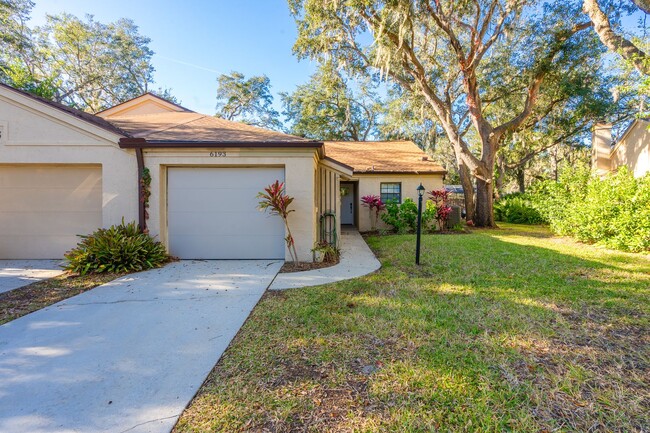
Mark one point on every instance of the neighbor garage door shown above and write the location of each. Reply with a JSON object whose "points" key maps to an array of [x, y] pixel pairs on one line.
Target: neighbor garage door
{"points": [[212, 214], [43, 208]]}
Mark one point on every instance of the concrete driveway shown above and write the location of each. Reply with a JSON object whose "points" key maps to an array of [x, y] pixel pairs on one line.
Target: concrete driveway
{"points": [[18, 273], [126, 356]]}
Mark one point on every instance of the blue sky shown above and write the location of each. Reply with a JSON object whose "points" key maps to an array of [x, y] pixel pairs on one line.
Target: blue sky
{"points": [[195, 41]]}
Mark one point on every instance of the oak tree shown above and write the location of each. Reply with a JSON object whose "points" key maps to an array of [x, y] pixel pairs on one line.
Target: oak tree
{"points": [[438, 50]]}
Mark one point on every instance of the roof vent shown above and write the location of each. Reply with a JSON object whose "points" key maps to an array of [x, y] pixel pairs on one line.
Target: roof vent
{"points": [[425, 158]]}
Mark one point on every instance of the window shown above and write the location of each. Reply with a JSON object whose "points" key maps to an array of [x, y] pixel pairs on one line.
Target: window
{"points": [[391, 192]]}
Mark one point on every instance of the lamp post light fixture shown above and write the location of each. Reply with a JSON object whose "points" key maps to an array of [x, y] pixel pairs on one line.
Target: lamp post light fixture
{"points": [[419, 231]]}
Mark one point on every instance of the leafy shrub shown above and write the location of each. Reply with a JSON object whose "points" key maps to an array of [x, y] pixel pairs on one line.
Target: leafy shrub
{"points": [[330, 253], [277, 202], [120, 248], [517, 208], [614, 211], [375, 206], [441, 197], [429, 215], [403, 217]]}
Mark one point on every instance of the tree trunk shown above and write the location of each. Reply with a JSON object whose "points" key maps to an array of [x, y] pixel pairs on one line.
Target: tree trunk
{"points": [[614, 41], [484, 216], [521, 180], [468, 191], [501, 175]]}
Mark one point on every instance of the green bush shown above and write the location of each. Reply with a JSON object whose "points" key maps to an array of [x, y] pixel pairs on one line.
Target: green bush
{"points": [[517, 208], [403, 218], [120, 248], [614, 211]]}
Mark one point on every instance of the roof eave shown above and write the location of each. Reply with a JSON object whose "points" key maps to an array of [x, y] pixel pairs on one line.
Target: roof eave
{"points": [[380, 172], [141, 143]]}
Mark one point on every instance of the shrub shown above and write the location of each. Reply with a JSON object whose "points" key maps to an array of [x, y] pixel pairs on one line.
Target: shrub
{"points": [[440, 197], [402, 218], [120, 248], [375, 206], [614, 211], [517, 208], [277, 202]]}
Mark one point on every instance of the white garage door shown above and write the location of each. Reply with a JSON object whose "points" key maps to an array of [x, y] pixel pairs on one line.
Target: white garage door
{"points": [[212, 214], [43, 208]]}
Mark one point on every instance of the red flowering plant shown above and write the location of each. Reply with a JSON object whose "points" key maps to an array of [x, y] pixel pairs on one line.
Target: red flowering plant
{"points": [[440, 197], [276, 201], [375, 206]]}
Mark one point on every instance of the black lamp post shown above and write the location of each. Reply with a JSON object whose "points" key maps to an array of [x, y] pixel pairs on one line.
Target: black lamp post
{"points": [[417, 242]]}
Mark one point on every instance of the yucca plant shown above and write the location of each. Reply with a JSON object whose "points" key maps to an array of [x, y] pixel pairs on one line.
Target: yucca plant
{"points": [[275, 200], [119, 248]]}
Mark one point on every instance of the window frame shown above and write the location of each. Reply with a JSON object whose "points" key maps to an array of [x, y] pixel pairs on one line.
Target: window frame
{"points": [[392, 194]]}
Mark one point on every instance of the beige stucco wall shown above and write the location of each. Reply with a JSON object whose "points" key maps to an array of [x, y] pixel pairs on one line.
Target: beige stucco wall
{"points": [[35, 133], [300, 167], [370, 184], [633, 150], [601, 141]]}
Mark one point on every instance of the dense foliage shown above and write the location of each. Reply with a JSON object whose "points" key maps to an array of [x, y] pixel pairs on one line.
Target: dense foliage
{"points": [[614, 211], [120, 248], [247, 100], [403, 218], [517, 208]]}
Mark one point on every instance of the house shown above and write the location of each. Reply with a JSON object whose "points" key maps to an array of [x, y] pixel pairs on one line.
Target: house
{"points": [[392, 170], [632, 149], [64, 173]]}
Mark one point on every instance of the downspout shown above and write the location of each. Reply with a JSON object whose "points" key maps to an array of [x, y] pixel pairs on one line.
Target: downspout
{"points": [[142, 223]]}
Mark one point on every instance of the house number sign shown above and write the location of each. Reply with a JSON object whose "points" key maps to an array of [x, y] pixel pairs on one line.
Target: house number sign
{"points": [[218, 154]]}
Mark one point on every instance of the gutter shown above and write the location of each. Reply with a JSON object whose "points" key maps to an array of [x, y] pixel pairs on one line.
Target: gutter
{"points": [[141, 143]]}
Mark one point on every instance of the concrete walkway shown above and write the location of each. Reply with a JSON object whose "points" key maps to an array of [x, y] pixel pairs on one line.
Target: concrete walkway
{"points": [[357, 259], [19, 273], [126, 356]]}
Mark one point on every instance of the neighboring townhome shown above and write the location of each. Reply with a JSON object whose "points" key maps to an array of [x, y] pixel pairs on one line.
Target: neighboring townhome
{"points": [[632, 149], [65, 173]]}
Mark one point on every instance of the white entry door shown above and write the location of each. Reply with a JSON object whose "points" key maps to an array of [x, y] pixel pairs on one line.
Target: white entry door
{"points": [[347, 205], [212, 214]]}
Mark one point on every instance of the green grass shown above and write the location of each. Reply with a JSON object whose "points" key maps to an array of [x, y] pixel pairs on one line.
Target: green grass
{"points": [[499, 330]]}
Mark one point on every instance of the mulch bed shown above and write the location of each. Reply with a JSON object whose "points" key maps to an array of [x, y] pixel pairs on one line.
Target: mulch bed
{"points": [[24, 300], [289, 267]]}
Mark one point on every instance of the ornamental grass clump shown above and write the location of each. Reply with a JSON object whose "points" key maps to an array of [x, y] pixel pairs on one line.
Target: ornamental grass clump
{"points": [[119, 248], [276, 201]]}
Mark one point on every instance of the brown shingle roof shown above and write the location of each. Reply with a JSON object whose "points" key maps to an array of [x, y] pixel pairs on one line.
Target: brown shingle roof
{"points": [[87, 117], [195, 127], [382, 157]]}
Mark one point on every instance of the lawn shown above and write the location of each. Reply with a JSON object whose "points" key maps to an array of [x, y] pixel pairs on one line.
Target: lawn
{"points": [[499, 330]]}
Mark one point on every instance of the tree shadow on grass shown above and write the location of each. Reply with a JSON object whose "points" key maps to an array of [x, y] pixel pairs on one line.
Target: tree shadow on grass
{"points": [[486, 335]]}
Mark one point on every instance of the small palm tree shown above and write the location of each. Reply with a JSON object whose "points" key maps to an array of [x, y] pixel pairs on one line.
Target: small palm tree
{"points": [[276, 201]]}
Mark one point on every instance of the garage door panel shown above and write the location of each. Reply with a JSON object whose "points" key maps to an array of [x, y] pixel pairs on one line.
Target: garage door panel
{"points": [[44, 208], [48, 223], [212, 214], [50, 200], [195, 178], [24, 176], [191, 201], [195, 223], [217, 247]]}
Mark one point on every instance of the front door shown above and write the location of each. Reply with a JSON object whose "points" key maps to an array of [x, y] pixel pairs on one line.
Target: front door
{"points": [[347, 203]]}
